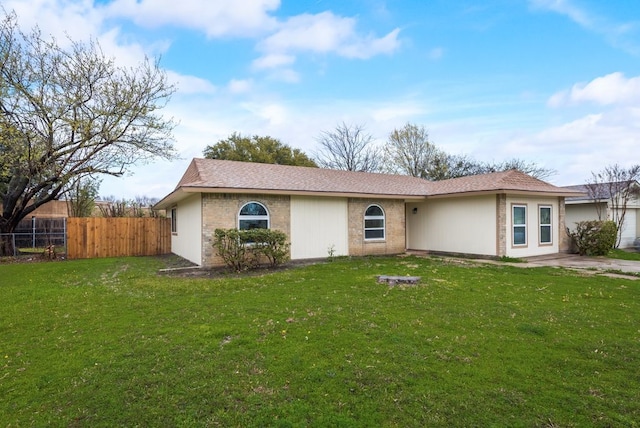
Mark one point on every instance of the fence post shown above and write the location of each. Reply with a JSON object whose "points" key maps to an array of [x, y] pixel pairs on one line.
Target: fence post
{"points": [[33, 231], [64, 241], [13, 240]]}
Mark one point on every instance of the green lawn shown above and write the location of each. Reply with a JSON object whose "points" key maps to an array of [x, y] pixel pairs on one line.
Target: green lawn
{"points": [[108, 342], [625, 255]]}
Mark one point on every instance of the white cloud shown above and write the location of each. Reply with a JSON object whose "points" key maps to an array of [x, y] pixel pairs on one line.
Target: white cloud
{"points": [[68, 20], [238, 86], [191, 84], [579, 146], [393, 112], [62, 19], [436, 53], [285, 75], [621, 35], [611, 89], [565, 7], [370, 46], [323, 33], [214, 18], [273, 61]]}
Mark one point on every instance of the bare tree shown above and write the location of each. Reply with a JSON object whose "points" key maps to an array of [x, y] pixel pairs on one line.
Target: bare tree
{"points": [[408, 151], [349, 148], [462, 165], [616, 186], [530, 168], [70, 113]]}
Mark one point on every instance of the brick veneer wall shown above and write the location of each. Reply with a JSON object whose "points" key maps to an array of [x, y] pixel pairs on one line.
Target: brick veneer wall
{"points": [[220, 211], [564, 245], [394, 242]]}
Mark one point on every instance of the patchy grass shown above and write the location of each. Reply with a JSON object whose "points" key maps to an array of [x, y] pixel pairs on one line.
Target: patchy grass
{"points": [[107, 342], [624, 254], [508, 259]]}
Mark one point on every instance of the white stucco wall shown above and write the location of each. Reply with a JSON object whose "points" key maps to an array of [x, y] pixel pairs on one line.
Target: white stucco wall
{"points": [[455, 225], [187, 241], [318, 224], [533, 246]]}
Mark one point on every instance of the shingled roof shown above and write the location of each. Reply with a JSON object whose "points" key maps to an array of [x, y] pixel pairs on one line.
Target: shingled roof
{"points": [[211, 175], [255, 177], [511, 181], [599, 191]]}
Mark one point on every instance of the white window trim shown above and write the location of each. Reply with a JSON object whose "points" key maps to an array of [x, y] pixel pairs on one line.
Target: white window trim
{"points": [[384, 223], [550, 225], [254, 217], [513, 226]]}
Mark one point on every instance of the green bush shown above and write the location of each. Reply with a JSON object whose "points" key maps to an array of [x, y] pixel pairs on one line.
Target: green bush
{"points": [[594, 237], [247, 249], [272, 244]]}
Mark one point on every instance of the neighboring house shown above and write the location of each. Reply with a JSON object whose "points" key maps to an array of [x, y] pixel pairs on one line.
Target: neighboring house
{"points": [[598, 205], [326, 211]]}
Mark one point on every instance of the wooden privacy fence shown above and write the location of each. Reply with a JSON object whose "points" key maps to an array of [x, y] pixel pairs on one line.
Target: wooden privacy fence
{"points": [[93, 237]]}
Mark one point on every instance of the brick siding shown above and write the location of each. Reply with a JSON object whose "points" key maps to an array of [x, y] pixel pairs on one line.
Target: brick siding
{"points": [[220, 211], [395, 235]]}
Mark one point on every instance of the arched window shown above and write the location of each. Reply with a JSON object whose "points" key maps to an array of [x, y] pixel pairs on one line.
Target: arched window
{"points": [[374, 222], [253, 215]]}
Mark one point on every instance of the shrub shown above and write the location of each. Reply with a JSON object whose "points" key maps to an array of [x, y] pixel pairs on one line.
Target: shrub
{"points": [[594, 237], [246, 249], [272, 244]]}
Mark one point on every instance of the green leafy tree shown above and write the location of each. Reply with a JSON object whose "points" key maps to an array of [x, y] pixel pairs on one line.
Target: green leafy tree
{"points": [[257, 149], [66, 113], [81, 197]]}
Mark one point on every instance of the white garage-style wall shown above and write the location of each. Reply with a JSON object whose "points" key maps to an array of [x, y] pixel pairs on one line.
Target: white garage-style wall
{"points": [[629, 228], [533, 246], [187, 240], [575, 213], [587, 211], [453, 225], [318, 225]]}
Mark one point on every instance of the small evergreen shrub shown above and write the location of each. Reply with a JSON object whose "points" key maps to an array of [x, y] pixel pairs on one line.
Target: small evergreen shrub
{"points": [[271, 244], [247, 249], [594, 237]]}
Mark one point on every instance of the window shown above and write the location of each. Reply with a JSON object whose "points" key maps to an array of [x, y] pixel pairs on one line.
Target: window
{"points": [[174, 220], [519, 220], [545, 224], [374, 223], [253, 215]]}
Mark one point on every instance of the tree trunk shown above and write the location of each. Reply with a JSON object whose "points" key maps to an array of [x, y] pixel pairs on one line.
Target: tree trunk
{"points": [[7, 249]]}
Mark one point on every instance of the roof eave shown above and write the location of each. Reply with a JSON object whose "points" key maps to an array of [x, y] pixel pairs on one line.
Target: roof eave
{"points": [[170, 200], [182, 192], [504, 191]]}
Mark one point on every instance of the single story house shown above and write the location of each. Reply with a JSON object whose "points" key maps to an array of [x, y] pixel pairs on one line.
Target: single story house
{"points": [[326, 211], [602, 201]]}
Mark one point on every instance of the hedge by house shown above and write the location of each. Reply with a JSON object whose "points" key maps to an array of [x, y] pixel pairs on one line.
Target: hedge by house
{"points": [[246, 249], [594, 237]]}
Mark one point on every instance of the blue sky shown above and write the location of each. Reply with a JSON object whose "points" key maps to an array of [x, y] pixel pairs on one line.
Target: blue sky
{"points": [[555, 82]]}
